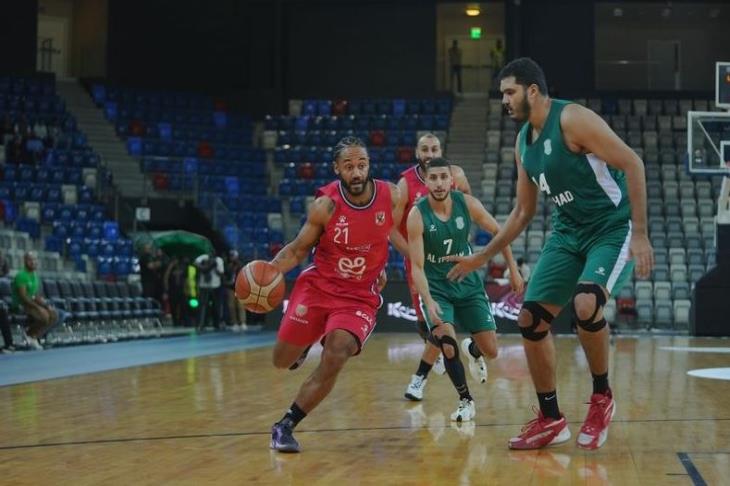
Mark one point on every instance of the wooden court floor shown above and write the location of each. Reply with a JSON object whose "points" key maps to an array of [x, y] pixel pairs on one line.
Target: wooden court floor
{"points": [[207, 421]]}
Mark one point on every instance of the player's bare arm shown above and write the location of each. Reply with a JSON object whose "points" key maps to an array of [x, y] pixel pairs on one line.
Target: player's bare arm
{"points": [[297, 250], [519, 218], [415, 250], [479, 214], [586, 132], [399, 205], [460, 180]]}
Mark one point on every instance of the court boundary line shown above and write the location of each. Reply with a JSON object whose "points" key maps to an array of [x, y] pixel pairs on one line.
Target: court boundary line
{"points": [[121, 440], [691, 469]]}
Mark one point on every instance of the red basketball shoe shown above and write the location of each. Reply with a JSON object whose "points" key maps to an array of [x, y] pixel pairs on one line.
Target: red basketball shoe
{"points": [[541, 432], [595, 428]]}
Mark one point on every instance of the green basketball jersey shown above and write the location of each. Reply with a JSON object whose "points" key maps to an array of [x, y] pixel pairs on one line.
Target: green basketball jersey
{"points": [[443, 238], [588, 194]]}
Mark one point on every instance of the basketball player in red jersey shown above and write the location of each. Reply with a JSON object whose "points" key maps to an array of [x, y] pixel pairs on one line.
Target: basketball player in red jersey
{"points": [[412, 186], [335, 299]]}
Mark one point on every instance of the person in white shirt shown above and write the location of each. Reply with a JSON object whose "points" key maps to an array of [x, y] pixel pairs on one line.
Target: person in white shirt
{"points": [[210, 271]]}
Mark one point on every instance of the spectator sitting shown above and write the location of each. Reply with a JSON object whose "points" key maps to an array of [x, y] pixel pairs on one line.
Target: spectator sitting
{"points": [[26, 298]]}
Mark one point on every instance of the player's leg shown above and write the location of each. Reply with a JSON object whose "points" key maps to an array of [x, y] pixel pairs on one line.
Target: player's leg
{"points": [[38, 319], [445, 335], [550, 287], [346, 331], [301, 326], [430, 359], [607, 268], [474, 315]]}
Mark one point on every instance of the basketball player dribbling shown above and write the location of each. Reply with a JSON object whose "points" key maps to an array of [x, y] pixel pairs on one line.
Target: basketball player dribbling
{"points": [[599, 225], [335, 299], [412, 186]]}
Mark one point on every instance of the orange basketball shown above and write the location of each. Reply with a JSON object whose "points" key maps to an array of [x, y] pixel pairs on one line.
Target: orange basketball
{"points": [[260, 286]]}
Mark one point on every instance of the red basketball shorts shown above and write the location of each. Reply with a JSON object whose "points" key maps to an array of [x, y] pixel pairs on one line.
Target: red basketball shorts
{"points": [[312, 314], [414, 294]]}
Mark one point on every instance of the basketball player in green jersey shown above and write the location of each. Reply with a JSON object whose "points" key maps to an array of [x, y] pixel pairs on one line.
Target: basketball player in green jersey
{"points": [[599, 224], [438, 226]]}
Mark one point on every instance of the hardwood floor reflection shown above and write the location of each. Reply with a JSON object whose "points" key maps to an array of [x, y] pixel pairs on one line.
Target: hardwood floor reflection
{"points": [[207, 421]]}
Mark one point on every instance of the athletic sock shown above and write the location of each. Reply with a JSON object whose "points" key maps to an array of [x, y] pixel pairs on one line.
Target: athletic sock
{"points": [[600, 383], [549, 404], [423, 369], [293, 416]]}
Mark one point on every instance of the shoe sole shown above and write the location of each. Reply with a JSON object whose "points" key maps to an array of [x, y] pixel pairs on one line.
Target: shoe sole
{"points": [[413, 398], [601, 437], [561, 438], [283, 449]]}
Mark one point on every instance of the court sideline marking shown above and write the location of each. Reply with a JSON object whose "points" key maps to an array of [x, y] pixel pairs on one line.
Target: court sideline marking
{"points": [[692, 471]]}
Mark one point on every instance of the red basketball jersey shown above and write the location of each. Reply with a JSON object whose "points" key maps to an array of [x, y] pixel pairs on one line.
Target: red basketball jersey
{"points": [[416, 190], [353, 249]]}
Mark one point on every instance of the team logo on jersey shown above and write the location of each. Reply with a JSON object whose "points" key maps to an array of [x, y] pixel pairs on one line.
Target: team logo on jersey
{"points": [[352, 268], [380, 218], [432, 228], [301, 310], [548, 147], [459, 222], [601, 271], [342, 220]]}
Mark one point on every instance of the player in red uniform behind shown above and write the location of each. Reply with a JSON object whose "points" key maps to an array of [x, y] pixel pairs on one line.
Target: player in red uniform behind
{"points": [[412, 186], [335, 298]]}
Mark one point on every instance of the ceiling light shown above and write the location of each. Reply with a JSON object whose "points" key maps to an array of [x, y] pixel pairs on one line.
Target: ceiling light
{"points": [[473, 11]]}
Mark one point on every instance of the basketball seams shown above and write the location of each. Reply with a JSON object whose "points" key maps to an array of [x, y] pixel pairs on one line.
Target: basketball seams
{"points": [[258, 296]]}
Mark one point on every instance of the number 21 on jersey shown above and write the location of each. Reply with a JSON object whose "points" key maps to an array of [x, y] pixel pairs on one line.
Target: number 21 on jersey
{"points": [[342, 235]]}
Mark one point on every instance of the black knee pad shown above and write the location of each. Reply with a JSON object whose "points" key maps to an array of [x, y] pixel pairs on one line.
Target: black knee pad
{"points": [[423, 330], [588, 324], [539, 313], [451, 342]]}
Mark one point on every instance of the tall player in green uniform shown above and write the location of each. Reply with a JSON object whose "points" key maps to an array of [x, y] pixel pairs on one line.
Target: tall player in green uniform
{"points": [[599, 224], [438, 226]]}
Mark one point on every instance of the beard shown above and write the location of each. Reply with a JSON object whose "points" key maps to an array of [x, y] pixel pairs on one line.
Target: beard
{"points": [[441, 198], [362, 184], [423, 164], [524, 110]]}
